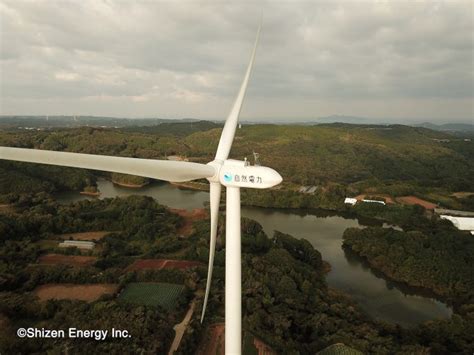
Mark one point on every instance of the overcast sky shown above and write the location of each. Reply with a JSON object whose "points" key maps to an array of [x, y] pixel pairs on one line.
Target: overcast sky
{"points": [[175, 59]]}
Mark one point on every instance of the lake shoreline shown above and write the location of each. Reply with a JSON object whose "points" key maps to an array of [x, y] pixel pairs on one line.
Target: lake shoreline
{"points": [[323, 228], [403, 285], [195, 186], [128, 185]]}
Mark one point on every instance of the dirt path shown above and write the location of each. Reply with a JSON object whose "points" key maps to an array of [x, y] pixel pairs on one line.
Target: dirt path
{"points": [[181, 328]]}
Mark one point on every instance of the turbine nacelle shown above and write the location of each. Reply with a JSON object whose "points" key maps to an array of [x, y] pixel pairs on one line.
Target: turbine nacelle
{"points": [[237, 173]]}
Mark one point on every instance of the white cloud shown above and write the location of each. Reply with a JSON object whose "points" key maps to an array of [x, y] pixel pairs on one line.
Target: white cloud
{"points": [[177, 59], [66, 76]]}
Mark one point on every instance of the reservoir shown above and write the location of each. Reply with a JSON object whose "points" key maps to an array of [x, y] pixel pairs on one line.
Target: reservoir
{"points": [[380, 298]]}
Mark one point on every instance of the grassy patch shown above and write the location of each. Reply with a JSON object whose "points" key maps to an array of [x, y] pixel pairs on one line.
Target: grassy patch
{"points": [[152, 294], [47, 244]]}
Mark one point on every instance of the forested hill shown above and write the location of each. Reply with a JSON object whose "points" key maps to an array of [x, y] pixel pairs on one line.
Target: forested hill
{"points": [[346, 154]]}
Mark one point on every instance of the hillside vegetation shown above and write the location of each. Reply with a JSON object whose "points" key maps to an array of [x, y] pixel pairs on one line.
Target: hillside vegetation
{"points": [[393, 159], [348, 154], [286, 300], [441, 260]]}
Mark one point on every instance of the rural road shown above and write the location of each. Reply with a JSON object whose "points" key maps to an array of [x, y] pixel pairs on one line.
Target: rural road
{"points": [[181, 328]]}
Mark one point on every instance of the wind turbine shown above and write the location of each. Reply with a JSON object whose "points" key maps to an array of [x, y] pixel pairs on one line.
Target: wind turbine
{"points": [[233, 174]]}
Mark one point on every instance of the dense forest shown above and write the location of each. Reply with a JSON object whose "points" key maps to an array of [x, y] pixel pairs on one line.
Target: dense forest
{"points": [[441, 260], [286, 301], [395, 159], [285, 297]]}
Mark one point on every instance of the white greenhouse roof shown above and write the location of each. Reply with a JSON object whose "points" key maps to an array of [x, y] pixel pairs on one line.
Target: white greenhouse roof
{"points": [[462, 223]]}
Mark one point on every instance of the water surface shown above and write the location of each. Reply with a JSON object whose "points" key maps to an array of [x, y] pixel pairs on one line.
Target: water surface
{"points": [[380, 298]]}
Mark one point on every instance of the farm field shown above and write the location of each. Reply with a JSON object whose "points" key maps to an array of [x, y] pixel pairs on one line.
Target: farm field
{"points": [[152, 294], [413, 200], [45, 244], [158, 264], [89, 293], [71, 260], [181, 264], [85, 235]]}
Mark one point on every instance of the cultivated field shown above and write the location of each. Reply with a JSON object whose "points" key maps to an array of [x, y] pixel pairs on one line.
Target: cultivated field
{"points": [[45, 244], [158, 264], [181, 264], [146, 264], [413, 200], [71, 260], [89, 292], [152, 294]]}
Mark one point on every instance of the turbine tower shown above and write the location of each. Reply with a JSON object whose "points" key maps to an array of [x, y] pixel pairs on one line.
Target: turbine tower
{"points": [[233, 174]]}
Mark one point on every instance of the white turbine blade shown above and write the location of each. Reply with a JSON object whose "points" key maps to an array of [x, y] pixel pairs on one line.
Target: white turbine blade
{"points": [[228, 133], [214, 199], [157, 169]]}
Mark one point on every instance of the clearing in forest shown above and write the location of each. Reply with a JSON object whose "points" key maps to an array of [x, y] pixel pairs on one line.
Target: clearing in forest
{"points": [[71, 260], [413, 200], [86, 292], [158, 264], [189, 218]]}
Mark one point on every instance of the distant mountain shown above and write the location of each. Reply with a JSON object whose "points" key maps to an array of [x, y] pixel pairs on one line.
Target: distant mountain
{"points": [[346, 119], [110, 122], [318, 120], [447, 127], [78, 121]]}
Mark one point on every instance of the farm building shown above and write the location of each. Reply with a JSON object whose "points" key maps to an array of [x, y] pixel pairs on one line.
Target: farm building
{"points": [[444, 211], [374, 201], [78, 244], [461, 223], [353, 200], [350, 201]]}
